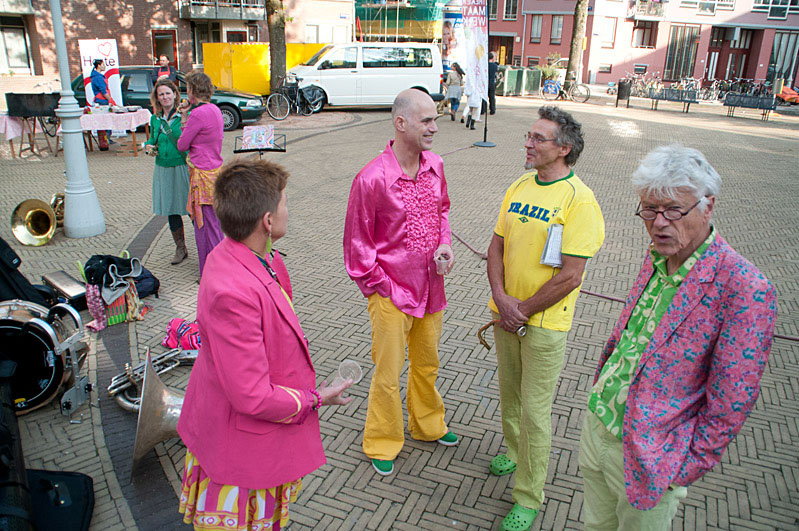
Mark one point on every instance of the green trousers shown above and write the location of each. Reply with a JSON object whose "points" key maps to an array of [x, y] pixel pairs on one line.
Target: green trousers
{"points": [[529, 367]]}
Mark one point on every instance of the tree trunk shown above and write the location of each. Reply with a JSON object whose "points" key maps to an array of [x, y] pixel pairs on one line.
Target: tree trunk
{"points": [[578, 37], [276, 20]]}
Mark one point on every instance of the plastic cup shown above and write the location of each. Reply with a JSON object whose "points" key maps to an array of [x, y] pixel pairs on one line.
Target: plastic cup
{"points": [[442, 263], [348, 369]]}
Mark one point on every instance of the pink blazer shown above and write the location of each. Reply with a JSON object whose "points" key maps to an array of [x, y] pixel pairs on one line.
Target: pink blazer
{"points": [[247, 413], [699, 377]]}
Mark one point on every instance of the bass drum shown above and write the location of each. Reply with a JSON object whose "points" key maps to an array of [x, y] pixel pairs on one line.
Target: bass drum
{"points": [[32, 338]]}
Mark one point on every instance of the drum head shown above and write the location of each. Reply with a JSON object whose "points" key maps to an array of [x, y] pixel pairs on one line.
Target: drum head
{"points": [[39, 370]]}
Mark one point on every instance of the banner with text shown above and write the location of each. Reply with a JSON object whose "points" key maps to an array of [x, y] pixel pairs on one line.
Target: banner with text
{"points": [[475, 28], [105, 50]]}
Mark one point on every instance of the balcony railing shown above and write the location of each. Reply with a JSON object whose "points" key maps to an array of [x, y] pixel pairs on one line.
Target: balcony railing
{"points": [[646, 10], [223, 9]]}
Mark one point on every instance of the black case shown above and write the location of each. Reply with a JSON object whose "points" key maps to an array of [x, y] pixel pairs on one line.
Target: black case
{"points": [[67, 287]]}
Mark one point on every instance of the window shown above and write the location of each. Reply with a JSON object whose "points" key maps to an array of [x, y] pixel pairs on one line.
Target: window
{"points": [[136, 81], [517, 60], [645, 34], [510, 9], [778, 9], [397, 58], [783, 53], [681, 52], [533, 61], [743, 41], [14, 53], [717, 37], [311, 33], [341, 58], [609, 32], [492, 9], [708, 7], [557, 29], [640, 69], [605, 68], [535, 28]]}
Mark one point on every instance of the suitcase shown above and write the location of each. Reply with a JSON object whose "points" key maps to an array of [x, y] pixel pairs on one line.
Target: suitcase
{"points": [[67, 288]]}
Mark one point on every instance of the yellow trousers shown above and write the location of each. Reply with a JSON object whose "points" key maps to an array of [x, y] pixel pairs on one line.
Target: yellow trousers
{"points": [[392, 331]]}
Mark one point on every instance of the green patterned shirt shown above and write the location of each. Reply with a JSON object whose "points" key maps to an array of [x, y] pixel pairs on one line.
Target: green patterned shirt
{"points": [[608, 398]]}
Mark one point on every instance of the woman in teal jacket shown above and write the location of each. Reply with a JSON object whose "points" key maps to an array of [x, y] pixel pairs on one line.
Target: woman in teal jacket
{"points": [[171, 175]]}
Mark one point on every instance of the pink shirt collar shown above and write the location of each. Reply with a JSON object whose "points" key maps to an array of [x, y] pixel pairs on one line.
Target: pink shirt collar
{"points": [[394, 170]]}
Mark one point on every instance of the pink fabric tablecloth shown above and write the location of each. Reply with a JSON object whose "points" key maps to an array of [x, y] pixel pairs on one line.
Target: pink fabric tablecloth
{"points": [[116, 121], [10, 126]]}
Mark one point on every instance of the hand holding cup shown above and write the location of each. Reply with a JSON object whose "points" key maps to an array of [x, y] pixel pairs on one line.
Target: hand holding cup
{"points": [[444, 259]]}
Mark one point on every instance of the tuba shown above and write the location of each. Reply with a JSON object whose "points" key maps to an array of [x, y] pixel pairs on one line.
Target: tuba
{"points": [[33, 222], [159, 410], [57, 204], [124, 387]]}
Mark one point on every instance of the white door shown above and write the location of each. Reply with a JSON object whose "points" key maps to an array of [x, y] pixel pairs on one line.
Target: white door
{"points": [[337, 72]]}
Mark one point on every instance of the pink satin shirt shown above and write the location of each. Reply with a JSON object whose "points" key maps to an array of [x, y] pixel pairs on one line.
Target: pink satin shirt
{"points": [[393, 226]]}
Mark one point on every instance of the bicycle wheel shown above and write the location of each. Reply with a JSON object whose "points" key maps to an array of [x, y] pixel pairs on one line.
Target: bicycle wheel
{"points": [[304, 107], [579, 93], [550, 90], [49, 125], [277, 105]]}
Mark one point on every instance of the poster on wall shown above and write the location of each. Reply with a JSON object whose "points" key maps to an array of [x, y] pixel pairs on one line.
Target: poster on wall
{"points": [[475, 28], [453, 41], [106, 51]]}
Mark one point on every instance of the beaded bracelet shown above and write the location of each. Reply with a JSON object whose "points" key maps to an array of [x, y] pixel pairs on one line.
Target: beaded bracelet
{"points": [[318, 399]]}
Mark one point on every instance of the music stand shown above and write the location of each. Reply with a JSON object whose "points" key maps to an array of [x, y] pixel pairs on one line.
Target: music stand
{"points": [[279, 146]]}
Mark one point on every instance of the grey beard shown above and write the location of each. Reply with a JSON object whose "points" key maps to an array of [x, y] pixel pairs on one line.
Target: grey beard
{"points": [[528, 165]]}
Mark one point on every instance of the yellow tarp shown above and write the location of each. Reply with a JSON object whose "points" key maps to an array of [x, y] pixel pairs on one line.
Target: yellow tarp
{"points": [[245, 66]]}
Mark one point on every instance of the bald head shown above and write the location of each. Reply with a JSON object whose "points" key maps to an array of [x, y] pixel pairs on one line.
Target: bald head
{"points": [[409, 101]]}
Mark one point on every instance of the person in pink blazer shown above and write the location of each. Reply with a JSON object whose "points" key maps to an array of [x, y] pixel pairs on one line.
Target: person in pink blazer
{"points": [[681, 370], [250, 416]]}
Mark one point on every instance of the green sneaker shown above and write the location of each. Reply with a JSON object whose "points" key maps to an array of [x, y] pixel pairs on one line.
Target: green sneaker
{"points": [[384, 468], [450, 439], [501, 465]]}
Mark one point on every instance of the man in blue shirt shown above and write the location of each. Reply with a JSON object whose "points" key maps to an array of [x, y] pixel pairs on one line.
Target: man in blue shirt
{"points": [[492, 82]]}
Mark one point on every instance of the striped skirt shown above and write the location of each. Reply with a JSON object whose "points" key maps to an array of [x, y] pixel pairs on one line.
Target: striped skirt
{"points": [[215, 507]]}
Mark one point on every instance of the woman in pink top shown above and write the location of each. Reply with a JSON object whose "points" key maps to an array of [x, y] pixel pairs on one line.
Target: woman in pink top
{"points": [[202, 133], [250, 417]]}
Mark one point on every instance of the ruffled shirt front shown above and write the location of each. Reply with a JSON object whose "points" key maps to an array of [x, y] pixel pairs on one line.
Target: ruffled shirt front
{"points": [[393, 226]]}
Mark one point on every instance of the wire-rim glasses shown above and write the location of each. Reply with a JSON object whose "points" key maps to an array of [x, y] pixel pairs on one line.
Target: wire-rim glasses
{"points": [[670, 214], [537, 139]]}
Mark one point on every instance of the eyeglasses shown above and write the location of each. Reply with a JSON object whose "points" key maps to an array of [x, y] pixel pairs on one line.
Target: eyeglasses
{"points": [[670, 214], [537, 139]]}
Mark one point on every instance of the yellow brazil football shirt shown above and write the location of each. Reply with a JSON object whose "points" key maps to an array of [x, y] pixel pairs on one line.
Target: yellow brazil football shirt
{"points": [[527, 211]]}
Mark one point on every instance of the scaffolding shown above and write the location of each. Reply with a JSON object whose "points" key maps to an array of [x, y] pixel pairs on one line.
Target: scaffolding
{"points": [[400, 20]]}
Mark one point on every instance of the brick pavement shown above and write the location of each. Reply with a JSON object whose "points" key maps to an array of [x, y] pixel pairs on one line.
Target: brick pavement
{"points": [[436, 487]]}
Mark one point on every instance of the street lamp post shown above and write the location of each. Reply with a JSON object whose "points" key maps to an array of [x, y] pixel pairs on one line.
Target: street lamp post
{"points": [[83, 216]]}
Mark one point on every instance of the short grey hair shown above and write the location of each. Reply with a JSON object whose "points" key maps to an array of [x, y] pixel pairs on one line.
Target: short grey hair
{"points": [[668, 169], [570, 132]]}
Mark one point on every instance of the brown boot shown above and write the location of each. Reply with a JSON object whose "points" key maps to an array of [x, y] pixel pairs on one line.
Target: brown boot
{"points": [[181, 253]]}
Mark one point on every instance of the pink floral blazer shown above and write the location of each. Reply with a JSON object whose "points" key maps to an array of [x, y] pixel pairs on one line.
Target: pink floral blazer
{"points": [[699, 378]]}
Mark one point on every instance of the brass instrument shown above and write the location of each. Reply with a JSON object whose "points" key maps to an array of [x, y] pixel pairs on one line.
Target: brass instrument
{"points": [[124, 387], [159, 411], [33, 222], [57, 204]]}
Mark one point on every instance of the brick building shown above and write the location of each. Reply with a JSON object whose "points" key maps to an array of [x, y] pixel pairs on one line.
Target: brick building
{"points": [[706, 39], [144, 29]]}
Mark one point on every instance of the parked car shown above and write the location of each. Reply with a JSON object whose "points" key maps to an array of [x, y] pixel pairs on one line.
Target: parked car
{"points": [[137, 84], [371, 73]]}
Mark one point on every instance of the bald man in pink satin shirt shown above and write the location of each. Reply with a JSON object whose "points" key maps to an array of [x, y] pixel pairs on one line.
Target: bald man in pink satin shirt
{"points": [[397, 226]]}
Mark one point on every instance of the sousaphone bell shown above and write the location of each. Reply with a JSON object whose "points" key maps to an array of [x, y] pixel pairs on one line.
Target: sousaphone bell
{"points": [[33, 222], [159, 411]]}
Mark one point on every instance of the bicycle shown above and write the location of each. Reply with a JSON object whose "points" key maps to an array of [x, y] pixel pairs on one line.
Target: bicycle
{"points": [[49, 124], [304, 101], [553, 90]]}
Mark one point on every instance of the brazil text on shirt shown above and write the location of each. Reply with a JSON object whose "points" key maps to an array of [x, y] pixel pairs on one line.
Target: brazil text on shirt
{"points": [[530, 211]]}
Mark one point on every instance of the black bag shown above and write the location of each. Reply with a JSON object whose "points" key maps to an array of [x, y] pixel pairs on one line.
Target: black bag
{"points": [[13, 284], [97, 266], [146, 283]]}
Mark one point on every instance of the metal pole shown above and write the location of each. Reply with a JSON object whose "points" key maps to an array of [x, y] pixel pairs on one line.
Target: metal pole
{"points": [[83, 216], [485, 142]]}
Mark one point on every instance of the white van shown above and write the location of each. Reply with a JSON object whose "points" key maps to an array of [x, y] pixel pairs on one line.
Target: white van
{"points": [[372, 73]]}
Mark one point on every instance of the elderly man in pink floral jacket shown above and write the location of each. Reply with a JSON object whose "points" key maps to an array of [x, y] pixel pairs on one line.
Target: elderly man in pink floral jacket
{"points": [[682, 368]]}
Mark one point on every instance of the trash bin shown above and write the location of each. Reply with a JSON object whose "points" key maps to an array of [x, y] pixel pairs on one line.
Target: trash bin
{"points": [[623, 93], [501, 80], [513, 81], [532, 81]]}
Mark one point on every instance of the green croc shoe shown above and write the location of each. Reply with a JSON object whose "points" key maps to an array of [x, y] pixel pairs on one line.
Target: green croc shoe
{"points": [[384, 468], [519, 519], [450, 439], [502, 466]]}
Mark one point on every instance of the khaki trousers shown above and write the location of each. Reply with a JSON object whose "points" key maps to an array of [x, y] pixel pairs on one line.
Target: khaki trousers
{"points": [[392, 331], [529, 368], [605, 500]]}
